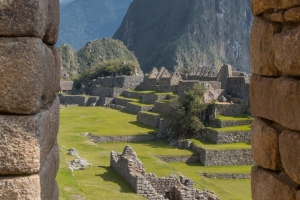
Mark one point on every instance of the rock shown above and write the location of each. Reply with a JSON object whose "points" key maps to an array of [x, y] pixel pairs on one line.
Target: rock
{"points": [[260, 6], [265, 145], [85, 134], [276, 17], [72, 152], [29, 75], [52, 30], [292, 15], [266, 184], [173, 143], [26, 140], [33, 18], [289, 151], [276, 99], [286, 45], [222, 99], [262, 55], [37, 186]]}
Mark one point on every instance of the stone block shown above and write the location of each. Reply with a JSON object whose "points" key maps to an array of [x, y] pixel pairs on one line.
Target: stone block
{"points": [[29, 75], [262, 55], [260, 6], [292, 15], [33, 187], [26, 140], [267, 184], [289, 151], [276, 99], [38, 18], [286, 47], [52, 30], [265, 145]]}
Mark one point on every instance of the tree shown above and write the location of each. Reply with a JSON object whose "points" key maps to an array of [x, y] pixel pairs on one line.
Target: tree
{"points": [[187, 113]]}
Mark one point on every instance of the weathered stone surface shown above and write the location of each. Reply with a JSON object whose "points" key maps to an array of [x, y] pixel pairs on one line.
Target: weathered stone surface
{"points": [[26, 140], [52, 31], [28, 74], [292, 15], [266, 184], [289, 151], [276, 17], [57, 59], [286, 47], [38, 18], [32, 187], [261, 49], [260, 6], [265, 145], [276, 99]]}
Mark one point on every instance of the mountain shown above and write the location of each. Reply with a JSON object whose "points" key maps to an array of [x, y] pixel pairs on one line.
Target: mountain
{"points": [[85, 20], [188, 33], [105, 54]]}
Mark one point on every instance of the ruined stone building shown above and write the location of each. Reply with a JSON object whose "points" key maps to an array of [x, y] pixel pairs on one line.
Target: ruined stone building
{"points": [[149, 185], [275, 99], [29, 119]]}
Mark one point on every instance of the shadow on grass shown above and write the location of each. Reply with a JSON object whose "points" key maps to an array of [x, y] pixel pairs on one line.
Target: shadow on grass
{"points": [[112, 176]]}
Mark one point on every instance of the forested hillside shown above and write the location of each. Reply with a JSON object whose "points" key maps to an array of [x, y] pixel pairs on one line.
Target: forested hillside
{"points": [[188, 33]]}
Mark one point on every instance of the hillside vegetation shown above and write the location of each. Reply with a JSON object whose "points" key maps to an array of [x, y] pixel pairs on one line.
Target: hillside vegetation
{"points": [[188, 33], [85, 20], [97, 58]]}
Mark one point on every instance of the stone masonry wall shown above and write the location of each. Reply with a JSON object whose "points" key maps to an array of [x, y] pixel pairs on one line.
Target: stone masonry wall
{"points": [[148, 185], [275, 99], [29, 109]]}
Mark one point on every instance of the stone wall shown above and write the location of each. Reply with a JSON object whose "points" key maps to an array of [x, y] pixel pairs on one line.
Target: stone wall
{"points": [[29, 120], [225, 137], [148, 185], [126, 138], [186, 159], [237, 86], [224, 157], [275, 99], [80, 100], [148, 118]]}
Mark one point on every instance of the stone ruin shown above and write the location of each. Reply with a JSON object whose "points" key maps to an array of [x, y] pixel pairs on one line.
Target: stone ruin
{"points": [[29, 120], [149, 186], [275, 99]]}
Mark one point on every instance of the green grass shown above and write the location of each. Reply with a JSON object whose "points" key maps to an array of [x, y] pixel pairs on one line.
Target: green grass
{"points": [[102, 182], [205, 144], [152, 92], [129, 99], [233, 128], [101, 121], [140, 103], [237, 117]]}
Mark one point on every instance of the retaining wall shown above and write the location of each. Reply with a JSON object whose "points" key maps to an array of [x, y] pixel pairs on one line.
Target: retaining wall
{"points": [[224, 157], [148, 118], [186, 159], [225, 137], [128, 138]]}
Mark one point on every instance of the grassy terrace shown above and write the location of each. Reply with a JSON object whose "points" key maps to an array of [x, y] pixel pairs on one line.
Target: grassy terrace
{"points": [[129, 99], [233, 128], [205, 144], [153, 92], [101, 121], [232, 118], [102, 182]]}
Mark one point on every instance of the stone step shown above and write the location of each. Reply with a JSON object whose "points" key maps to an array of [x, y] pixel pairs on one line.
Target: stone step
{"points": [[227, 121], [225, 135], [223, 154], [134, 107], [122, 101]]}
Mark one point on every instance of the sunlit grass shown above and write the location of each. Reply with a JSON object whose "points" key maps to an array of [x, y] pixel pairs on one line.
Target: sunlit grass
{"points": [[206, 144], [236, 117]]}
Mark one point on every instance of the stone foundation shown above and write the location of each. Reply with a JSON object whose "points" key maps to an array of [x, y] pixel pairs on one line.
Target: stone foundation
{"points": [[129, 138]]}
